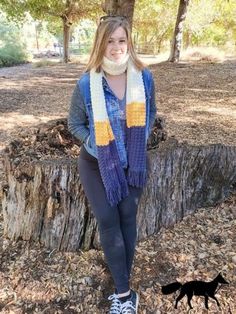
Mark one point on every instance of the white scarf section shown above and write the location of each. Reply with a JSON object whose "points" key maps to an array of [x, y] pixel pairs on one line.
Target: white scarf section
{"points": [[115, 68], [135, 87]]}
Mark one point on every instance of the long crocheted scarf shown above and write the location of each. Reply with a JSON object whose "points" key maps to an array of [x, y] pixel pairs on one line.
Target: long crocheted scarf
{"points": [[112, 173]]}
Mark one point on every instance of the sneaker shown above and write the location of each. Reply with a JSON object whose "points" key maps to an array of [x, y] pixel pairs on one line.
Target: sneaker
{"points": [[116, 304], [131, 305]]}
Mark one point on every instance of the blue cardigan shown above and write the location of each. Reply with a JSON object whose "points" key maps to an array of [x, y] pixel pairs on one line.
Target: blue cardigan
{"points": [[80, 119]]}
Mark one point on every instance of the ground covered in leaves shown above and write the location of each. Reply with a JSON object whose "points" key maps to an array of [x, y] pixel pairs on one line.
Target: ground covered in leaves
{"points": [[198, 103], [36, 280]]}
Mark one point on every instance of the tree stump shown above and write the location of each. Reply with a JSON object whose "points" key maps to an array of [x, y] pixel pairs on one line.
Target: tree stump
{"points": [[44, 201]]}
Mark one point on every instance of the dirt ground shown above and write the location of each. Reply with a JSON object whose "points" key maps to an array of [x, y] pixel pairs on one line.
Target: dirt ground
{"points": [[198, 102]]}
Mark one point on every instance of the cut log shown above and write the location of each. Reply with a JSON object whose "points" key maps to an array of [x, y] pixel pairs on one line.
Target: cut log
{"points": [[183, 179], [44, 200]]}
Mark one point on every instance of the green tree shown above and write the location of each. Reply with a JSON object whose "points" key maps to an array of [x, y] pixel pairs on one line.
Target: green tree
{"points": [[212, 23], [207, 22], [12, 47], [69, 11], [153, 23]]}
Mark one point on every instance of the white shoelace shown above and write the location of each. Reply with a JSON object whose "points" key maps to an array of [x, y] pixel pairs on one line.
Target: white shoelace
{"points": [[127, 308], [116, 304]]}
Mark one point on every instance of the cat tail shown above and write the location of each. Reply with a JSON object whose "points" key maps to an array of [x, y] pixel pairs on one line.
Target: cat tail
{"points": [[170, 288]]}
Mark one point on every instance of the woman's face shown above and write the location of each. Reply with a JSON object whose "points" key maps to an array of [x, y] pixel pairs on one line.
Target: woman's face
{"points": [[117, 45]]}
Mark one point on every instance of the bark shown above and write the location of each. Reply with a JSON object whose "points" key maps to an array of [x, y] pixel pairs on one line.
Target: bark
{"points": [[66, 37], [44, 200], [178, 32], [119, 7]]}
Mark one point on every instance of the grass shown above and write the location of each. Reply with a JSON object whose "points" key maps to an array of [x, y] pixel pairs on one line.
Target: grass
{"points": [[43, 63], [205, 54]]}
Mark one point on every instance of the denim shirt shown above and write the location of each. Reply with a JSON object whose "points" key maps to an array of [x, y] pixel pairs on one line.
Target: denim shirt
{"points": [[122, 115], [81, 122]]}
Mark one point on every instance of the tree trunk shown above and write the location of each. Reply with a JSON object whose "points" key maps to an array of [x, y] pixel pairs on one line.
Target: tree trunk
{"points": [[187, 40], [44, 200], [119, 7], [178, 32], [66, 37], [160, 41], [36, 37]]}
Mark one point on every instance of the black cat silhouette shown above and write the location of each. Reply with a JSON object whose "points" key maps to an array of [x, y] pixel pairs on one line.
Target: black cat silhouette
{"points": [[195, 287]]}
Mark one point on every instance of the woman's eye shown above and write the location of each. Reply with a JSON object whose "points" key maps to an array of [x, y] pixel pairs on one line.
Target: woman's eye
{"points": [[120, 41]]}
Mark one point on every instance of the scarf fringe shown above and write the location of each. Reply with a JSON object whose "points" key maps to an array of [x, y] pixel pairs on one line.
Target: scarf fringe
{"points": [[137, 178], [116, 185], [115, 195]]}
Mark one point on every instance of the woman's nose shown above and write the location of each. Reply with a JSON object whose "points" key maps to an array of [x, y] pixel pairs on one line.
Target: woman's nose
{"points": [[116, 45]]}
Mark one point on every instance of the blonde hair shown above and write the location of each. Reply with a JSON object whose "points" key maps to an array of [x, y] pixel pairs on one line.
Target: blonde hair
{"points": [[102, 36]]}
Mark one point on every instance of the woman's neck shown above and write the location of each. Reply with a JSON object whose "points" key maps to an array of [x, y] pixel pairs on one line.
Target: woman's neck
{"points": [[118, 76], [117, 83]]}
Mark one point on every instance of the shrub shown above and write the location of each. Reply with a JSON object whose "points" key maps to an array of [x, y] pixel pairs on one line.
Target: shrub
{"points": [[12, 48], [12, 54]]}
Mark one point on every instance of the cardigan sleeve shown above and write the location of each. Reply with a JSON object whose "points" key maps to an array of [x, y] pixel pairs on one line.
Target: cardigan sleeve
{"points": [[153, 108], [77, 118]]}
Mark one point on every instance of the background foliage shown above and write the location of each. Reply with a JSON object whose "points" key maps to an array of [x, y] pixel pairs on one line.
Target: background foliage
{"points": [[208, 23], [12, 46]]}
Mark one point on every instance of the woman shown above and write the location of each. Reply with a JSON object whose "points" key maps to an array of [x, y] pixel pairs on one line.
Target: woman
{"points": [[112, 112]]}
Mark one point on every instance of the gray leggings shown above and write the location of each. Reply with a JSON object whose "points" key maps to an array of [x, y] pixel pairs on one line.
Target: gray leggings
{"points": [[116, 224]]}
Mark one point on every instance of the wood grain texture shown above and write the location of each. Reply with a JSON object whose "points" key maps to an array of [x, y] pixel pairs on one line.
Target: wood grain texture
{"points": [[46, 201]]}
